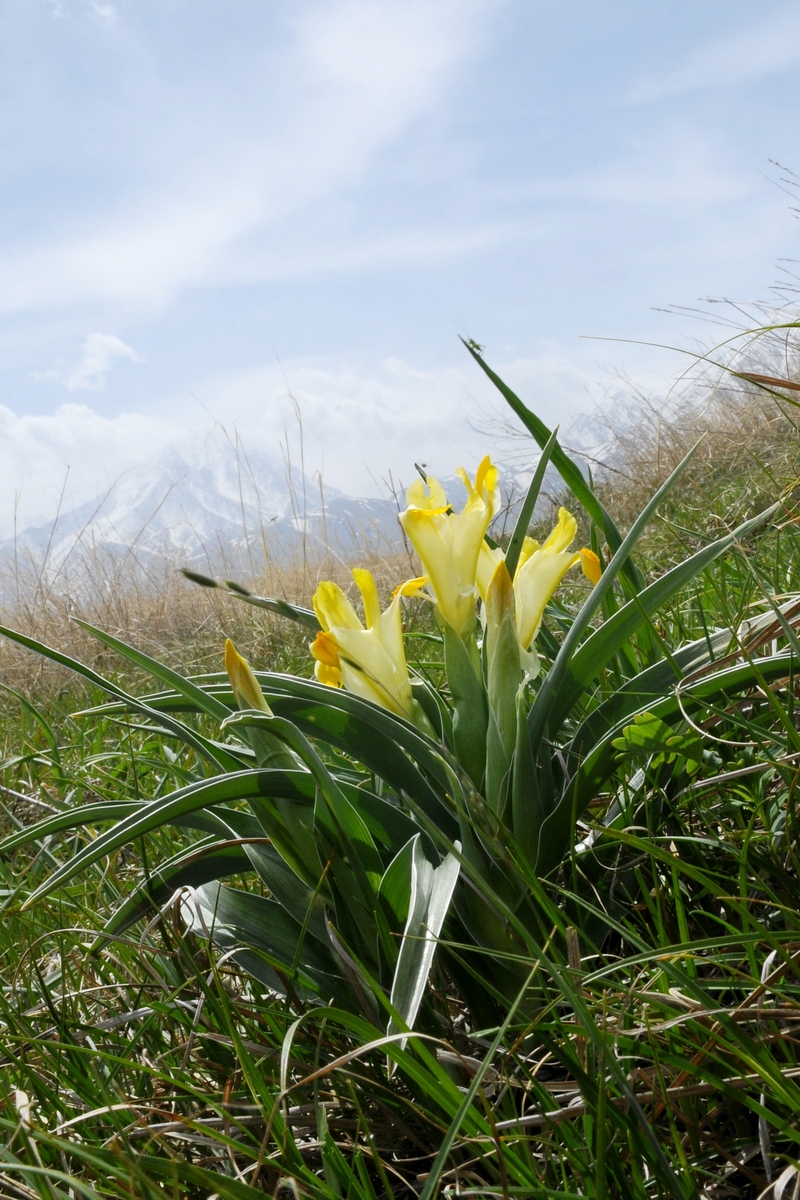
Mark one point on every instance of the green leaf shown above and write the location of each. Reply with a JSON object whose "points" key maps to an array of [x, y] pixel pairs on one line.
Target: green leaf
{"points": [[350, 827], [528, 806], [547, 696], [294, 612], [232, 917], [600, 647], [206, 861], [568, 469], [470, 712], [395, 887], [221, 759], [167, 810], [287, 888], [504, 674], [431, 892], [386, 744], [526, 512], [648, 735], [204, 701]]}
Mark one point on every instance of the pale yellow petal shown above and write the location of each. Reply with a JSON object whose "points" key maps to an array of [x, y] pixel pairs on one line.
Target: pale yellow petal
{"points": [[563, 534], [427, 494], [330, 676], [333, 609], [534, 584], [487, 565], [325, 649], [529, 547], [369, 595], [412, 587], [500, 595]]}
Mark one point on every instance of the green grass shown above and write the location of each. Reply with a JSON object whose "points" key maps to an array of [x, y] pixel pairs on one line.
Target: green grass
{"points": [[653, 1051]]}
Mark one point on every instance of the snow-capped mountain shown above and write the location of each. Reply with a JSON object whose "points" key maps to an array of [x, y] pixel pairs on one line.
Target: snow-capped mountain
{"points": [[209, 508], [217, 511]]}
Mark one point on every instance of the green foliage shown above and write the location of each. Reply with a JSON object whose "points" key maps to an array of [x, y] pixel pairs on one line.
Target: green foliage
{"points": [[567, 919]]}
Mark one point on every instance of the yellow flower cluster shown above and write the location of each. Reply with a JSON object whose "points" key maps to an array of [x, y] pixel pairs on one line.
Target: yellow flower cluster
{"points": [[369, 659]]}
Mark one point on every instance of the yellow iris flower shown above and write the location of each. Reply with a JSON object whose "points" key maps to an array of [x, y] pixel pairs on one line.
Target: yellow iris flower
{"points": [[540, 570], [449, 543], [371, 661]]}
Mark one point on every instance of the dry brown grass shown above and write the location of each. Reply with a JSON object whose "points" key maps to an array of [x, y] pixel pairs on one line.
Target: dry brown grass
{"points": [[164, 615]]}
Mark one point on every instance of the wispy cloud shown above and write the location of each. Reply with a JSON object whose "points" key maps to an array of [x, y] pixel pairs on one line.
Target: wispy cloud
{"points": [[368, 72], [89, 374], [768, 46]]}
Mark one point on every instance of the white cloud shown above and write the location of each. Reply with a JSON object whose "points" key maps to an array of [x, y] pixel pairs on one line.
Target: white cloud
{"points": [[358, 425], [368, 71], [768, 47], [98, 352], [75, 449]]}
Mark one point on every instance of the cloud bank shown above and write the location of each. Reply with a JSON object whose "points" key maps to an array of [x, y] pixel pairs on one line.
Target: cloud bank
{"points": [[361, 429]]}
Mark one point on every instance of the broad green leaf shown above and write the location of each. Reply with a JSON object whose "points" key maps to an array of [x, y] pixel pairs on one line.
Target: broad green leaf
{"points": [[299, 900], [349, 823], [204, 701], [232, 918], [470, 713], [431, 892], [504, 678], [167, 810], [395, 886], [207, 860], [528, 807], [71, 818], [220, 821], [387, 745]]}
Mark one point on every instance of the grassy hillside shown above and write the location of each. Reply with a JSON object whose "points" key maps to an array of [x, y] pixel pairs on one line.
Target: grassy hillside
{"points": [[619, 1021]]}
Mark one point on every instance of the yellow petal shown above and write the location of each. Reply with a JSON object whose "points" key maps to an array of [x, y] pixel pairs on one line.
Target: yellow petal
{"points": [[449, 543], [369, 662], [590, 565], [534, 584], [539, 576], [500, 595], [325, 650], [427, 494], [245, 686], [333, 609], [487, 565], [563, 534], [330, 676], [529, 547], [412, 587], [369, 594]]}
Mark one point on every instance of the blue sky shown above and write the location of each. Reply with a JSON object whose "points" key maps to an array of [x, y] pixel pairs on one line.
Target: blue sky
{"points": [[206, 206]]}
